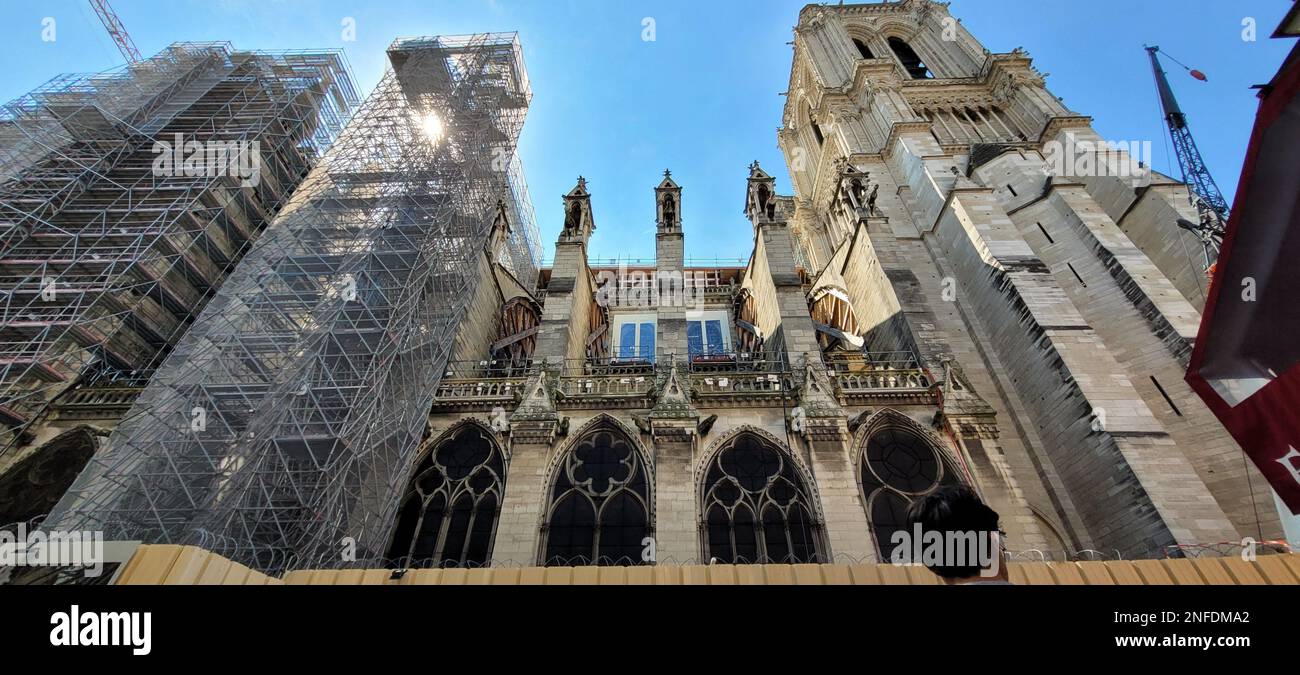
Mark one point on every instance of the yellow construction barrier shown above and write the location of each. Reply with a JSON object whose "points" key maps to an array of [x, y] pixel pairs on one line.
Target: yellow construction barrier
{"points": [[187, 566]]}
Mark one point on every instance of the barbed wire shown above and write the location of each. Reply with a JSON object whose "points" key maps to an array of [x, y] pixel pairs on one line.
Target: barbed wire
{"points": [[1227, 549], [1028, 556]]}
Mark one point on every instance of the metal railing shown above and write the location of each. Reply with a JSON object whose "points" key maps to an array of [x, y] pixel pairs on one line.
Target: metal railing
{"points": [[488, 369], [637, 365], [736, 362]]}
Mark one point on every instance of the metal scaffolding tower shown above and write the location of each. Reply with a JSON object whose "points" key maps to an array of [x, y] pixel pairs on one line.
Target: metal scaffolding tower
{"points": [[107, 255], [281, 430]]}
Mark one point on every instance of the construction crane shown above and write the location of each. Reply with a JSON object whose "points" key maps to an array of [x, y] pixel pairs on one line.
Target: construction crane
{"points": [[116, 30], [1203, 192]]}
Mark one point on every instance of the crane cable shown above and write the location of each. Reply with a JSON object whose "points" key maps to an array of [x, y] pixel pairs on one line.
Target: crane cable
{"points": [[1194, 73]]}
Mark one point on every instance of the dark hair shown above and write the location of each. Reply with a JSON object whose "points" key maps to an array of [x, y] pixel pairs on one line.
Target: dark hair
{"points": [[955, 508]]}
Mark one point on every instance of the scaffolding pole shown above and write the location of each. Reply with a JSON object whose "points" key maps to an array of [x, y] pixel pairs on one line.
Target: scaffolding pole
{"points": [[313, 370], [105, 259]]}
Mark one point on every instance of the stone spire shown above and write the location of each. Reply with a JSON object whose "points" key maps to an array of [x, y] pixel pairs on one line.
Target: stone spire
{"points": [[668, 204], [578, 221]]}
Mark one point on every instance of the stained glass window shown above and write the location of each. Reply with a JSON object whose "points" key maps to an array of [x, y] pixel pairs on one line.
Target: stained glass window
{"points": [[451, 507], [756, 507], [600, 504]]}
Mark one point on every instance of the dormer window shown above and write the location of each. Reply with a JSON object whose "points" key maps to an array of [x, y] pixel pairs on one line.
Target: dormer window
{"points": [[708, 333], [636, 338]]}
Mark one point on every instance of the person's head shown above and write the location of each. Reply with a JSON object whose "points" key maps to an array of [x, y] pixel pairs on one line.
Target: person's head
{"points": [[958, 510]]}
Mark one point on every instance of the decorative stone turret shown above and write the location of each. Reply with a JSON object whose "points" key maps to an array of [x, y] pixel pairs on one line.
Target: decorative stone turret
{"points": [[760, 200], [855, 193], [963, 412], [668, 204], [674, 419], [578, 221], [670, 273], [819, 417], [569, 293], [535, 421]]}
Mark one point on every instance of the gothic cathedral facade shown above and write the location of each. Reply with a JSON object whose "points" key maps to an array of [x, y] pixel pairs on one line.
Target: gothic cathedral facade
{"points": [[965, 287]]}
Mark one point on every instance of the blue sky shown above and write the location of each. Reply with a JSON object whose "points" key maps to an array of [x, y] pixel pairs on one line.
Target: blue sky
{"points": [[703, 97]]}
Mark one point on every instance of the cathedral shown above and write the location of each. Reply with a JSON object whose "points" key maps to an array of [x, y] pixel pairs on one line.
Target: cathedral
{"points": [[941, 301], [969, 286]]}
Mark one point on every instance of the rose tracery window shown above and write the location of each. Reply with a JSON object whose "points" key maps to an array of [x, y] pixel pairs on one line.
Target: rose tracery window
{"points": [[600, 504], [451, 507], [898, 467], [756, 508]]}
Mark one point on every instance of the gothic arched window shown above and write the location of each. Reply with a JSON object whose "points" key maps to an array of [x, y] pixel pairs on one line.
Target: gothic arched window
{"points": [[812, 124], [911, 61], [31, 487], [670, 211], [600, 503], [756, 508], [450, 511], [863, 50], [898, 467]]}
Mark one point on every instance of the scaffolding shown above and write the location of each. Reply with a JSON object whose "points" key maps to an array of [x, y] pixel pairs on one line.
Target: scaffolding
{"points": [[281, 430], [105, 260]]}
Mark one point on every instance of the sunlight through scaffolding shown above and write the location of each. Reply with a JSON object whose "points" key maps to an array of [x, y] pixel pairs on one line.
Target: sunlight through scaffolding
{"points": [[314, 369]]}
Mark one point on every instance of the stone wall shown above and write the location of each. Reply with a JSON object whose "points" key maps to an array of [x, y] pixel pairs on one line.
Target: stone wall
{"points": [[1067, 302]]}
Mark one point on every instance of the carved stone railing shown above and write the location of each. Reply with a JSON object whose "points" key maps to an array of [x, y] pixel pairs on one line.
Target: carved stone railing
{"points": [[104, 402], [741, 379], [862, 377], [480, 389], [630, 390], [481, 385], [742, 383], [714, 294], [607, 383]]}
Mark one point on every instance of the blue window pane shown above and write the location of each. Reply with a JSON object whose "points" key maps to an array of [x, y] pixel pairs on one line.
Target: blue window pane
{"points": [[648, 341], [694, 338], [716, 345], [627, 341]]}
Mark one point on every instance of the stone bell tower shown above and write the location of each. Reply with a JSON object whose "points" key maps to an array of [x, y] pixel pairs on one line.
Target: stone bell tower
{"points": [[1052, 305]]}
